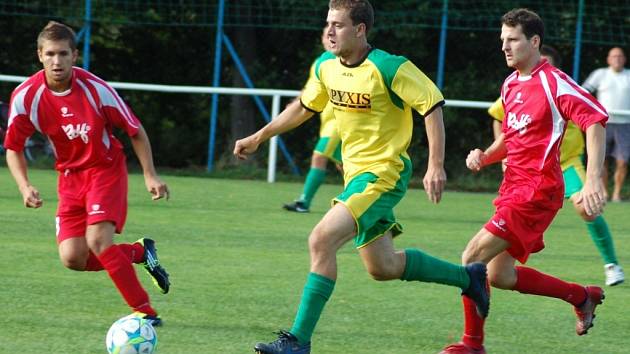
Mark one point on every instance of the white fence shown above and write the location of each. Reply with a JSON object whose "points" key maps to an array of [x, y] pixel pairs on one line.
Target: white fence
{"points": [[275, 105]]}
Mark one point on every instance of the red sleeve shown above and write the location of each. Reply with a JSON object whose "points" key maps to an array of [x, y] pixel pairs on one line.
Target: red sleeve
{"points": [[578, 105], [19, 127]]}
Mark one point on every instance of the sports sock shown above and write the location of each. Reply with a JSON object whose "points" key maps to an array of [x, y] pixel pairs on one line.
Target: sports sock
{"points": [[598, 229], [317, 291], [424, 267], [531, 281], [133, 251], [314, 179], [121, 272], [473, 324]]}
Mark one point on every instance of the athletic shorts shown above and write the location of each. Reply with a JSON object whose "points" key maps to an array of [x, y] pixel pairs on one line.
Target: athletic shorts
{"points": [[371, 201], [91, 196], [618, 141], [574, 176], [521, 217], [329, 146]]}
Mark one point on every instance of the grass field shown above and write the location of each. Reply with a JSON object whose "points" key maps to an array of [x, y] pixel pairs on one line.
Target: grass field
{"points": [[238, 264]]}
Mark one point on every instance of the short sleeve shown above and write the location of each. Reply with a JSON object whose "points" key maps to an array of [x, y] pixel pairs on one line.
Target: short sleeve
{"points": [[314, 95], [592, 82], [416, 89]]}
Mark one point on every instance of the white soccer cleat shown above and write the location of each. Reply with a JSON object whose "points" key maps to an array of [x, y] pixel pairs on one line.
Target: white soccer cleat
{"points": [[614, 274]]}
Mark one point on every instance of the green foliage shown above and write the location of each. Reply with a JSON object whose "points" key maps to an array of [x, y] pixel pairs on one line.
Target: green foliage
{"points": [[238, 263]]}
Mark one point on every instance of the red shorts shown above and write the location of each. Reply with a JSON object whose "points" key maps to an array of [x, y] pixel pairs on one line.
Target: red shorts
{"points": [[91, 196], [522, 223]]}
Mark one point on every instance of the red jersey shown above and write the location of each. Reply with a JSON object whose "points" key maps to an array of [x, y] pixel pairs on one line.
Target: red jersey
{"points": [[537, 110], [78, 122]]}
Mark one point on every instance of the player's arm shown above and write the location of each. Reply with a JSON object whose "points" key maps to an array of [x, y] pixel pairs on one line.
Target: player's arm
{"points": [[142, 148], [592, 194], [291, 117], [478, 159], [18, 167], [435, 178]]}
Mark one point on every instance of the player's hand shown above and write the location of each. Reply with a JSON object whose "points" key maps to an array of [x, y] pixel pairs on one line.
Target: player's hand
{"points": [[474, 161], [30, 196], [156, 187], [592, 196], [245, 146], [434, 181]]}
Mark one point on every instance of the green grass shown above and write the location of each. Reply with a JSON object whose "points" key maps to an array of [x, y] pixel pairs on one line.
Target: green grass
{"points": [[238, 264]]}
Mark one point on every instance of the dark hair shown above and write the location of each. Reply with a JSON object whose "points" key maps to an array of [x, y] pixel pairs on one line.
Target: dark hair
{"points": [[530, 22], [361, 11], [551, 52], [55, 31]]}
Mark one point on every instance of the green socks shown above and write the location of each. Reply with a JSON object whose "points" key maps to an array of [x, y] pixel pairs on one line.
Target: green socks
{"points": [[314, 179], [598, 229], [317, 291], [423, 267]]}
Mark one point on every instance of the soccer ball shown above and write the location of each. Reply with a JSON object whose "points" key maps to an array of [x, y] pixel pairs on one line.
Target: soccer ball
{"points": [[131, 335]]}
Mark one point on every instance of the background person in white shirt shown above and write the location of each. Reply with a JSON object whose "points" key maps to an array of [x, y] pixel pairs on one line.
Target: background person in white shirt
{"points": [[612, 87]]}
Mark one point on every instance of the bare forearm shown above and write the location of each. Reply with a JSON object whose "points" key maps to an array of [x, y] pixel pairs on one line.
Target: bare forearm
{"points": [[290, 118], [434, 125], [595, 148], [18, 167], [495, 152], [142, 148]]}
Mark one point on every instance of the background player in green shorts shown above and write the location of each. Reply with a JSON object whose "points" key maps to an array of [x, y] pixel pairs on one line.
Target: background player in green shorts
{"points": [[573, 171], [372, 93], [328, 148]]}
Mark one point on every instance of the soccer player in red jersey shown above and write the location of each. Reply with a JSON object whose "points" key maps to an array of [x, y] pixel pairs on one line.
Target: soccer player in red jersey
{"points": [[77, 112], [539, 100]]}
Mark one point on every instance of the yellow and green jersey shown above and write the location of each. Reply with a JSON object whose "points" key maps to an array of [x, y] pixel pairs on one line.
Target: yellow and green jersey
{"points": [[572, 144], [372, 104]]}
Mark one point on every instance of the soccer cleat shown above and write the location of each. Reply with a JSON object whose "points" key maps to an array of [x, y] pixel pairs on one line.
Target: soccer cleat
{"points": [[154, 321], [477, 290], [297, 206], [461, 348], [286, 343], [614, 274], [586, 312], [152, 265]]}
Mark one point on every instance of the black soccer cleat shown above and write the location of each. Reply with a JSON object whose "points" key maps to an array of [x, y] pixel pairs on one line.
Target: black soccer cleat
{"points": [[297, 206], [152, 265], [286, 343], [477, 290], [154, 321]]}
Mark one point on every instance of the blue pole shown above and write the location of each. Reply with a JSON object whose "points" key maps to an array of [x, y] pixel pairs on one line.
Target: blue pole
{"points": [[578, 42], [87, 30], [215, 82], [259, 102], [442, 51]]}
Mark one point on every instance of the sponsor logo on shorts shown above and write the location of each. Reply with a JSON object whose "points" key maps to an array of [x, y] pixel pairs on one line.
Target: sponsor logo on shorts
{"points": [[96, 209], [500, 224]]}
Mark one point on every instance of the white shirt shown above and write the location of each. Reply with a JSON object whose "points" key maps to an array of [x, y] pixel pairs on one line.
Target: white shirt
{"points": [[613, 91]]}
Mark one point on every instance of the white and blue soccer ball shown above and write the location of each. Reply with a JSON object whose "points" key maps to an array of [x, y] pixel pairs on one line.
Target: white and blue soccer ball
{"points": [[131, 335]]}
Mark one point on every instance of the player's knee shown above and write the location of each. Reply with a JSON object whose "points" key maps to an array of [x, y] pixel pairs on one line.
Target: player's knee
{"points": [[318, 242], [501, 280], [73, 263]]}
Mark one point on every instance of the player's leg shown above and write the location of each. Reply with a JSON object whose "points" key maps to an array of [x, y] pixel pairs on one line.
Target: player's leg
{"points": [[574, 176], [99, 237], [621, 153], [483, 247], [621, 170], [335, 229]]}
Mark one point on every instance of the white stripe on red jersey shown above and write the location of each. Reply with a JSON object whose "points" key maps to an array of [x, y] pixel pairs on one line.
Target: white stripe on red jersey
{"points": [[78, 122], [537, 109]]}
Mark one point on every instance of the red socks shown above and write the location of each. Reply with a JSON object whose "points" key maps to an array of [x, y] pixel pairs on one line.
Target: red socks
{"points": [[121, 271], [531, 281], [473, 325], [133, 251]]}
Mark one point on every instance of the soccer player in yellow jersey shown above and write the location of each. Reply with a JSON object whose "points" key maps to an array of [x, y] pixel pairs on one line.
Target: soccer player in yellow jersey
{"points": [[372, 94], [328, 148], [573, 171]]}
